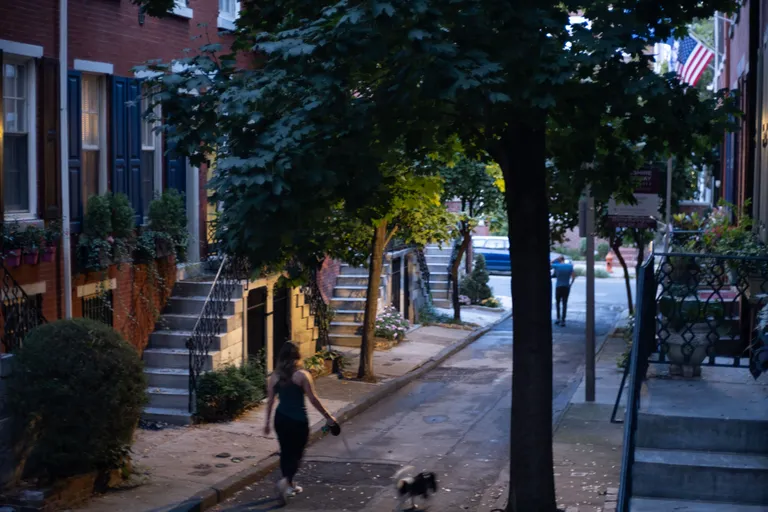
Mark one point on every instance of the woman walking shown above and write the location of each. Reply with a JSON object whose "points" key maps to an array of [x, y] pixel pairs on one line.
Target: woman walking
{"points": [[290, 383]]}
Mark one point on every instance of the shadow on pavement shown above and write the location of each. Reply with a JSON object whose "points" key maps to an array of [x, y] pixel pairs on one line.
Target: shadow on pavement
{"points": [[262, 505]]}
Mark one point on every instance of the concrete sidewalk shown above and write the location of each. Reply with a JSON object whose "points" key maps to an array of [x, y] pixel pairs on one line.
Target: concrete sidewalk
{"points": [[177, 463]]}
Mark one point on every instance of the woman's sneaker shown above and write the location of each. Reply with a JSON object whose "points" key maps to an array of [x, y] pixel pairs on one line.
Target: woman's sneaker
{"points": [[284, 491], [297, 489]]}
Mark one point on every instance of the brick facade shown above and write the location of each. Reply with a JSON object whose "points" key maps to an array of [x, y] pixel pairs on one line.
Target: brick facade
{"points": [[326, 277]]}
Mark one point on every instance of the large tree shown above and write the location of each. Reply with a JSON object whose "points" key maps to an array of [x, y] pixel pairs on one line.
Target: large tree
{"points": [[343, 82]]}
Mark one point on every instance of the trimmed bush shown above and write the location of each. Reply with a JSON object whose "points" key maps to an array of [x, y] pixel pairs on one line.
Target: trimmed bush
{"points": [[79, 388], [475, 285], [602, 250], [225, 394]]}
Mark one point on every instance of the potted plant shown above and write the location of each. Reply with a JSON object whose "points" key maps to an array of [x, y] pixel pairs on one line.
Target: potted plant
{"points": [[146, 247], [52, 237], [390, 328], [32, 240], [690, 336], [167, 215], [12, 245]]}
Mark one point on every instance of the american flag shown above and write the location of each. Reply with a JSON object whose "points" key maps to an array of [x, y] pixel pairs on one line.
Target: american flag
{"points": [[692, 59]]}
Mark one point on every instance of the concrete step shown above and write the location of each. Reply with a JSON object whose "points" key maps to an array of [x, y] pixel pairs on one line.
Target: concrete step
{"points": [[441, 303], [659, 505], [170, 416], [167, 377], [194, 306], [696, 475], [348, 303], [438, 285], [659, 431], [347, 270], [187, 322], [352, 280], [200, 289], [348, 315], [175, 358], [168, 398], [438, 276], [346, 340], [440, 268], [350, 291], [346, 327], [440, 294]]}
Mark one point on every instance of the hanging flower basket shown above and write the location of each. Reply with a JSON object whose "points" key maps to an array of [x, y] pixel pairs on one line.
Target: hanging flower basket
{"points": [[12, 258], [31, 257], [49, 254]]}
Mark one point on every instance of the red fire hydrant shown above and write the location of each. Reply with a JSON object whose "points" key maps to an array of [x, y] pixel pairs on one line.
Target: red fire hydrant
{"points": [[609, 262]]}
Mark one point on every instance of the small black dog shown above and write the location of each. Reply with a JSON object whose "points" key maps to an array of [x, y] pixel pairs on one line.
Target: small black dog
{"points": [[413, 486]]}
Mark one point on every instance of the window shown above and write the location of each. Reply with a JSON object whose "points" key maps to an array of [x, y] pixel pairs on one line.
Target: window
{"points": [[228, 11], [19, 165], [92, 134], [151, 154]]}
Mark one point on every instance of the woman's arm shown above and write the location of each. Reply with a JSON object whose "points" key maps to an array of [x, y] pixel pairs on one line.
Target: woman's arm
{"points": [[270, 401], [308, 385]]}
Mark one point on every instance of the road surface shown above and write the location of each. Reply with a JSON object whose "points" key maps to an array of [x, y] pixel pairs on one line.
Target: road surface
{"points": [[453, 421]]}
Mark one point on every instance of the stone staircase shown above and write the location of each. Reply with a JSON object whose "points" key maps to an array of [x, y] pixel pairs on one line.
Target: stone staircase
{"points": [[438, 261], [348, 301], [700, 463], [166, 359]]}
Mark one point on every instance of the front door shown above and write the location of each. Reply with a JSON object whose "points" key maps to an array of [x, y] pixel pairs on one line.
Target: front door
{"points": [[257, 316], [281, 319], [176, 174]]}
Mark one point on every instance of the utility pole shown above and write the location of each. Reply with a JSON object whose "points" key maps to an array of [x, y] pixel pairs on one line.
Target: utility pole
{"points": [[590, 345], [668, 216]]}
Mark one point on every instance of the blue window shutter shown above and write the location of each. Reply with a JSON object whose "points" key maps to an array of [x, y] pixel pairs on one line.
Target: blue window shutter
{"points": [[175, 169], [119, 135], [133, 117], [74, 105]]}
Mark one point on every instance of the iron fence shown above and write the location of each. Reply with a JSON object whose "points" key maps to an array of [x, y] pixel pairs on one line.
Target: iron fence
{"points": [[99, 307], [20, 312]]}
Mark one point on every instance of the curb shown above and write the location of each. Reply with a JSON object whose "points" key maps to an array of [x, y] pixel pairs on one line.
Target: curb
{"points": [[225, 489]]}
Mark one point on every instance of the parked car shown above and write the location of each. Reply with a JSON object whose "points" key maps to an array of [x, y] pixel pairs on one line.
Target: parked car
{"points": [[495, 249]]}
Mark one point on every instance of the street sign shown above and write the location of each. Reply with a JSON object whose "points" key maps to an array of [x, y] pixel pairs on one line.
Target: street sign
{"points": [[643, 213]]}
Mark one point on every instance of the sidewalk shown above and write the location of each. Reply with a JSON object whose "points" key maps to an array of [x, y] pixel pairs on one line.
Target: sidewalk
{"points": [[177, 463], [587, 446]]}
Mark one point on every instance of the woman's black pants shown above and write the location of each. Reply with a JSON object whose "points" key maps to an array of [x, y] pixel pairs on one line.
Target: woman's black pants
{"points": [[292, 436]]}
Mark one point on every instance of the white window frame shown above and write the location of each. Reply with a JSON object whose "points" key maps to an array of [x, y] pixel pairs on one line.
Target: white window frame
{"points": [[31, 84], [181, 9], [157, 178], [225, 20], [103, 143]]}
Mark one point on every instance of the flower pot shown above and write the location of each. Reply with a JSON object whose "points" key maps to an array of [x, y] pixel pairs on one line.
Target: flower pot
{"points": [[31, 258], [687, 350], [49, 254], [12, 258]]}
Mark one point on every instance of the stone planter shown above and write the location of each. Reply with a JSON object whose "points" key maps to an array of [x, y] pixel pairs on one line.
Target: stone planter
{"points": [[686, 358], [31, 258], [380, 343]]}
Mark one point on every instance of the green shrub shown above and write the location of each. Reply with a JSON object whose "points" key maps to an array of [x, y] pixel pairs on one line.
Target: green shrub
{"points": [[225, 394], [583, 247], [491, 302], [123, 216], [601, 274], [475, 285], [78, 388], [602, 250], [580, 271], [167, 214], [98, 217], [429, 315]]}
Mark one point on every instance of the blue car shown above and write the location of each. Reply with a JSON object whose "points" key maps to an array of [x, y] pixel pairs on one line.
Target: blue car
{"points": [[495, 249]]}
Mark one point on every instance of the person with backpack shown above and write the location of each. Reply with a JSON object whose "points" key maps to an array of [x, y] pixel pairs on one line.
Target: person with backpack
{"points": [[564, 276]]}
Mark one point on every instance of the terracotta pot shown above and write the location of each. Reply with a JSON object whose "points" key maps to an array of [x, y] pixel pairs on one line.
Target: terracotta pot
{"points": [[31, 258], [49, 254], [13, 258]]}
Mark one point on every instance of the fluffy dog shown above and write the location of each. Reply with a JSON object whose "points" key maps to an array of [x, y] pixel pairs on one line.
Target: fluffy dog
{"points": [[412, 487]]}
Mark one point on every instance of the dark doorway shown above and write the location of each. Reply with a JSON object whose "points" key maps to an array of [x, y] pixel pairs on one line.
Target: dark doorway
{"points": [[257, 317], [396, 283], [281, 320], [406, 291]]}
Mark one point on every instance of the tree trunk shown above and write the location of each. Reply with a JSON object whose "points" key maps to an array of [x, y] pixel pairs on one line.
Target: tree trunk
{"points": [[521, 156], [616, 247], [465, 243], [365, 371]]}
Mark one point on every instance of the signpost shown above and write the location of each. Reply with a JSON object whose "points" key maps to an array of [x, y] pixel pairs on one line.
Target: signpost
{"points": [[645, 211]]}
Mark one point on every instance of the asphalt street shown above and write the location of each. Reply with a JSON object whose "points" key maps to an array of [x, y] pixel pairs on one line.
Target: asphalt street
{"points": [[454, 421]]}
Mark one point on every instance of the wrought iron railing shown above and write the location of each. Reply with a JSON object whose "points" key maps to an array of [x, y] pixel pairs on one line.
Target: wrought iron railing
{"points": [[20, 312], [319, 309], [424, 272], [210, 324], [455, 246], [637, 366]]}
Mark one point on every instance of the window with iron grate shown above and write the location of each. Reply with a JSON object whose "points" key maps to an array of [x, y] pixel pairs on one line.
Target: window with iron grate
{"points": [[99, 307]]}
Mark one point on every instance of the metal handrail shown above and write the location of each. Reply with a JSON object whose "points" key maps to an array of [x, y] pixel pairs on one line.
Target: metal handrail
{"points": [[638, 365], [14, 298]]}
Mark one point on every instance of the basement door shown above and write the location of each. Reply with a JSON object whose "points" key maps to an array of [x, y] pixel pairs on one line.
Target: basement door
{"points": [[281, 320], [396, 264], [257, 320]]}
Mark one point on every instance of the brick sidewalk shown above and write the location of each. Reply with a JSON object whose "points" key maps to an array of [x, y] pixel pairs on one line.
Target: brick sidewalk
{"points": [[177, 462], [587, 446]]}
